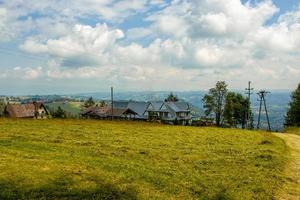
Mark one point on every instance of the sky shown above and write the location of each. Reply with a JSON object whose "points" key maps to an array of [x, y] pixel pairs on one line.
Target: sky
{"points": [[65, 46]]}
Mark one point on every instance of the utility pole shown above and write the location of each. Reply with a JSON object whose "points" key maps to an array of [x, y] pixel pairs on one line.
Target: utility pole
{"points": [[248, 114], [262, 95], [112, 103]]}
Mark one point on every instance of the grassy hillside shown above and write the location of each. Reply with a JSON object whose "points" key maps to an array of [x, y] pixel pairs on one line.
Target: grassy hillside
{"points": [[73, 108], [84, 159]]}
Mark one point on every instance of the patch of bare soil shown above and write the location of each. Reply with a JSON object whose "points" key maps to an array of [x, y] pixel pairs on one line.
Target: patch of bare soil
{"points": [[291, 189]]}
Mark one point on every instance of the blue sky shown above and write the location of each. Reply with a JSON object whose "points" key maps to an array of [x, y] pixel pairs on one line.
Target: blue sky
{"points": [[65, 46]]}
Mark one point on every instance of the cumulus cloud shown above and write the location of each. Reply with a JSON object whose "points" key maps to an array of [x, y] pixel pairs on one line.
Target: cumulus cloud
{"points": [[199, 42]]}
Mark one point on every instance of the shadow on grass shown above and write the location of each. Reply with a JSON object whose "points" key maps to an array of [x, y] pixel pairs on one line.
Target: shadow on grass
{"points": [[63, 188]]}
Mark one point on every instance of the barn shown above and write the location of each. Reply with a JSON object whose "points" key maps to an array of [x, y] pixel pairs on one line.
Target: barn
{"points": [[30, 110]]}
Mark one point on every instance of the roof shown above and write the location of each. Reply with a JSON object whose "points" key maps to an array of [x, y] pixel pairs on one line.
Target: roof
{"points": [[121, 104], [119, 112], [178, 106], [155, 105], [107, 111], [138, 107], [23, 110], [95, 110]]}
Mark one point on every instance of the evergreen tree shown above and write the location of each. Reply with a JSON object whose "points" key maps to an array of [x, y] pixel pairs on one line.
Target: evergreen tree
{"points": [[214, 101], [102, 104], [293, 115], [59, 113], [171, 98], [88, 103], [2, 107]]}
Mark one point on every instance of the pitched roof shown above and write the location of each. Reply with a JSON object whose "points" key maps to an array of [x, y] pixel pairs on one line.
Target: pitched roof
{"points": [[155, 105], [119, 112], [95, 110], [107, 111], [23, 110], [121, 104], [178, 106], [138, 107]]}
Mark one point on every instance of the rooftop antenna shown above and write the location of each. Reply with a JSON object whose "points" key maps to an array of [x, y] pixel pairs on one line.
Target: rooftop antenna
{"points": [[248, 113], [112, 103], [262, 99]]}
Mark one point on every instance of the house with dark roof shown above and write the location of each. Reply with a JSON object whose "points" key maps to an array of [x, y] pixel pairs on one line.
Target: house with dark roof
{"points": [[107, 113], [170, 112], [165, 112], [138, 107], [30, 110]]}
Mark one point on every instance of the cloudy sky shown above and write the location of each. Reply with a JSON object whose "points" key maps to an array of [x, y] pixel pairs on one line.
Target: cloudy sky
{"points": [[66, 46]]}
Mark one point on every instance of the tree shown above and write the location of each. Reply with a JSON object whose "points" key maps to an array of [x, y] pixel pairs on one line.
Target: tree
{"points": [[59, 113], [214, 101], [102, 104], [88, 103], [236, 110], [293, 115], [171, 98], [2, 107]]}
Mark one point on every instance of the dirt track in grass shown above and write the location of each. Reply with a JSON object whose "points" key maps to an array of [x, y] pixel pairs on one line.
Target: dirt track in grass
{"points": [[291, 189]]}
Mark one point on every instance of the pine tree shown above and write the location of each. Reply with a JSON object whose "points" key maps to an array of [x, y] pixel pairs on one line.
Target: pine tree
{"points": [[59, 113], [171, 98], [88, 103], [293, 114]]}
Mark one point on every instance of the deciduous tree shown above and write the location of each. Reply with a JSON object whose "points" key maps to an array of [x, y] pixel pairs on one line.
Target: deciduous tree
{"points": [[214, 101]]}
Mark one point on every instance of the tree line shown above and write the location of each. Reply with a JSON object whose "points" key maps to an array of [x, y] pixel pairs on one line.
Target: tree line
{"points": [[230, 109]]}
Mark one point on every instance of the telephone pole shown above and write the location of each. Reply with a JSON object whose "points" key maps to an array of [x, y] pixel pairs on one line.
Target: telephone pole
{"points": [[262, 99], [248, 113], [112, 103]]}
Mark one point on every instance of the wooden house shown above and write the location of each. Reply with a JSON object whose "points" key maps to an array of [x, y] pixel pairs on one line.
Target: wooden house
{"points": [[170, 112], [30, 110], [107, 113]]}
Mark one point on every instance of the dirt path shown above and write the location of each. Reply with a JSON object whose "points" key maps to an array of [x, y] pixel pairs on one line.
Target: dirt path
{"points": [[291, 189]]}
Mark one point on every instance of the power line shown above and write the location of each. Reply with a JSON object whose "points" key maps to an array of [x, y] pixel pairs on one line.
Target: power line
{"points": [[248, 113], [262, 95], [112, 103]]}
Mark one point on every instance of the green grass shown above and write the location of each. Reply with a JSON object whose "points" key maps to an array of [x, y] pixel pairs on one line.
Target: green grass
{"points": [[89, 159], [73, 108], [293, 130]]}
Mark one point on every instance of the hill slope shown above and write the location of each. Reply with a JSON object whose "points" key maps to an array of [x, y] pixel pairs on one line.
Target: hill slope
{"points": [[84, 159], [291, 190]]}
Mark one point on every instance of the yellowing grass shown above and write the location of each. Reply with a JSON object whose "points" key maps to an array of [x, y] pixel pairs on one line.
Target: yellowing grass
{"points": [[89, 159], [293, 130]]}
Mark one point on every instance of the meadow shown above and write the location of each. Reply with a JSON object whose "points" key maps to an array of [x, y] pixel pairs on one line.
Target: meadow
{"points": [[90, 159]]}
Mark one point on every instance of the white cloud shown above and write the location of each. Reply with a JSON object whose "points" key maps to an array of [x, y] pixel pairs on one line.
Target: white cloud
{"points": [[208, 56], [198, 42]]}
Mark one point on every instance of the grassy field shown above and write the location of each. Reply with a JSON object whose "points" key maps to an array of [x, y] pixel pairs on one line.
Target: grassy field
{"points": [[293, 130], [86, 159], [72, 108]]}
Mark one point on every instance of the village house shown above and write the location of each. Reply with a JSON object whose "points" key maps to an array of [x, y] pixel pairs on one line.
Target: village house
{"points": [[165, 112], [138, 107], [30, 110], [170, 112], [107, 112]]}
